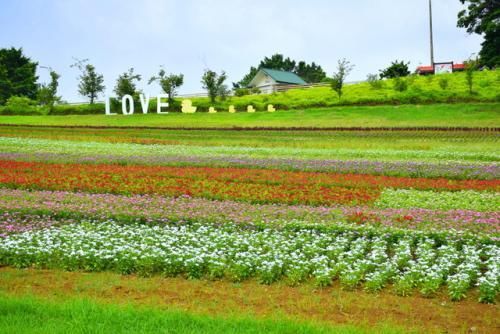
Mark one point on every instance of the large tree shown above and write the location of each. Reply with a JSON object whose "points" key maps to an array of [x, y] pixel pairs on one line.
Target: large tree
{"points": [[483, 17], [309, 72], [91, 82], [169, 83], [17, 75], [47, 93], [214, 84], [279, 62], [126, 84]]}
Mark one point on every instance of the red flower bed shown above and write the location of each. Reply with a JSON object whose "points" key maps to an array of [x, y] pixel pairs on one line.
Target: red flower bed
{"points": [[253, 185]]}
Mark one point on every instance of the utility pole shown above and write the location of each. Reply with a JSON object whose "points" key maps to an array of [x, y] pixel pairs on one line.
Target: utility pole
{"points": [[432, 39]]}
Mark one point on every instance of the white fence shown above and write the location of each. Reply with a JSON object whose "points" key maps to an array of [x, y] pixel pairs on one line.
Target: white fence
{"points": [[279, 88]]}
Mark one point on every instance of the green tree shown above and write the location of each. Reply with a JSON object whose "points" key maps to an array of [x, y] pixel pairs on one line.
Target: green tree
{"points": [[47, 93], [91, 82], [214, 84], [126, 84], [344, 68], [243, 83], [278, 62], [169, 83], [483, 17], [309, 72], [471, 66], [17, 75], [395, 70]]}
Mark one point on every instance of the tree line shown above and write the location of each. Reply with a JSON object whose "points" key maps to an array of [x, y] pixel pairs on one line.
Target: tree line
{"points": [[19, 80]]}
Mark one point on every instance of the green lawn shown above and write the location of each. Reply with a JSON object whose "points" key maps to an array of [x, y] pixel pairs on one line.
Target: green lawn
{"points": [[442, 115], [31, 315]]}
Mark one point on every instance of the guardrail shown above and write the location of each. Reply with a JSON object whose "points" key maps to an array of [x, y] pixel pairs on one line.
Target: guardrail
{"points": [[284, 88]]}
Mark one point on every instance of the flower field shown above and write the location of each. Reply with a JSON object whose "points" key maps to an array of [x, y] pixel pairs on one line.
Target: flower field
{"points": [[409, 218], [252, 185], [429, 155], [269, 254]]}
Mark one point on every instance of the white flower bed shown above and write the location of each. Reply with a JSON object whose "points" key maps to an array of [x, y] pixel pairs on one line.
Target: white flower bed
{"points": [[229, 251]]}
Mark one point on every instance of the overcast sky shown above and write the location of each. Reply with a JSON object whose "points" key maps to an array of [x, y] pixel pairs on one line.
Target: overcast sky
{"points": [[187, 36]]}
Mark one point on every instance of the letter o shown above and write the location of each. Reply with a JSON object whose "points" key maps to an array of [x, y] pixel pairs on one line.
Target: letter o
{"points": [[127, 110]]}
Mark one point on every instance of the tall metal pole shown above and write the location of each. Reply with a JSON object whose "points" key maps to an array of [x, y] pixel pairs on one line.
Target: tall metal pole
{"points": [[432, 39]]}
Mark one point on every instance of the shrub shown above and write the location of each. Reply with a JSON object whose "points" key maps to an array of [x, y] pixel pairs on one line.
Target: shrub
{"points": [[410, 79], [395, 70], [81, 109], [374, 81], [241, 92], [400, 84], [20, 105], [443, 82], [255, 90]]}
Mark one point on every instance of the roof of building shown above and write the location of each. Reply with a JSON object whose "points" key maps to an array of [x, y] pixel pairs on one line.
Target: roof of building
{"points": [[425, 68], [284, 77], [430, 69]]}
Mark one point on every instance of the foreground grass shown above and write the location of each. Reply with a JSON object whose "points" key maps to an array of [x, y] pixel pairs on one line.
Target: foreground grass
{"points": [[446, 115], [325, 307], [32, 315]]}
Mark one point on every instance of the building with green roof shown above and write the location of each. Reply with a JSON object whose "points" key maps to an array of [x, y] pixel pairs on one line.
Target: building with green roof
{"points": [[267, 80]]}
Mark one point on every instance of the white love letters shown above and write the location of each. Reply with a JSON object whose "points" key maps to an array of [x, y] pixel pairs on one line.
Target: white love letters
{"points": [[128, 104]]}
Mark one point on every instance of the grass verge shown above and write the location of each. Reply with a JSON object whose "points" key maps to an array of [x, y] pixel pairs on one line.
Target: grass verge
{"points": [[28, 314], [329, 306]]}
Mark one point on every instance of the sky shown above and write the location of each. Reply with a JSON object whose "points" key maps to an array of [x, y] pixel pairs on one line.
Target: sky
{"points": [[188, 36]]}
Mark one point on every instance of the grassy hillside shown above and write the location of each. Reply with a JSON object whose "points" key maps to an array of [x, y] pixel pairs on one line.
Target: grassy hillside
{"points": [[445, 115], [423, 90], [420, 90]]}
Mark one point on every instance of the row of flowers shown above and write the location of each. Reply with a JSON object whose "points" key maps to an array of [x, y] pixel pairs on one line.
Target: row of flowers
{"points": [[423, 163], [416, 169], [442, 200], [273, 186], [16, 144], [244, 137], [264, 186], [294, 255], [24, 210]]}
